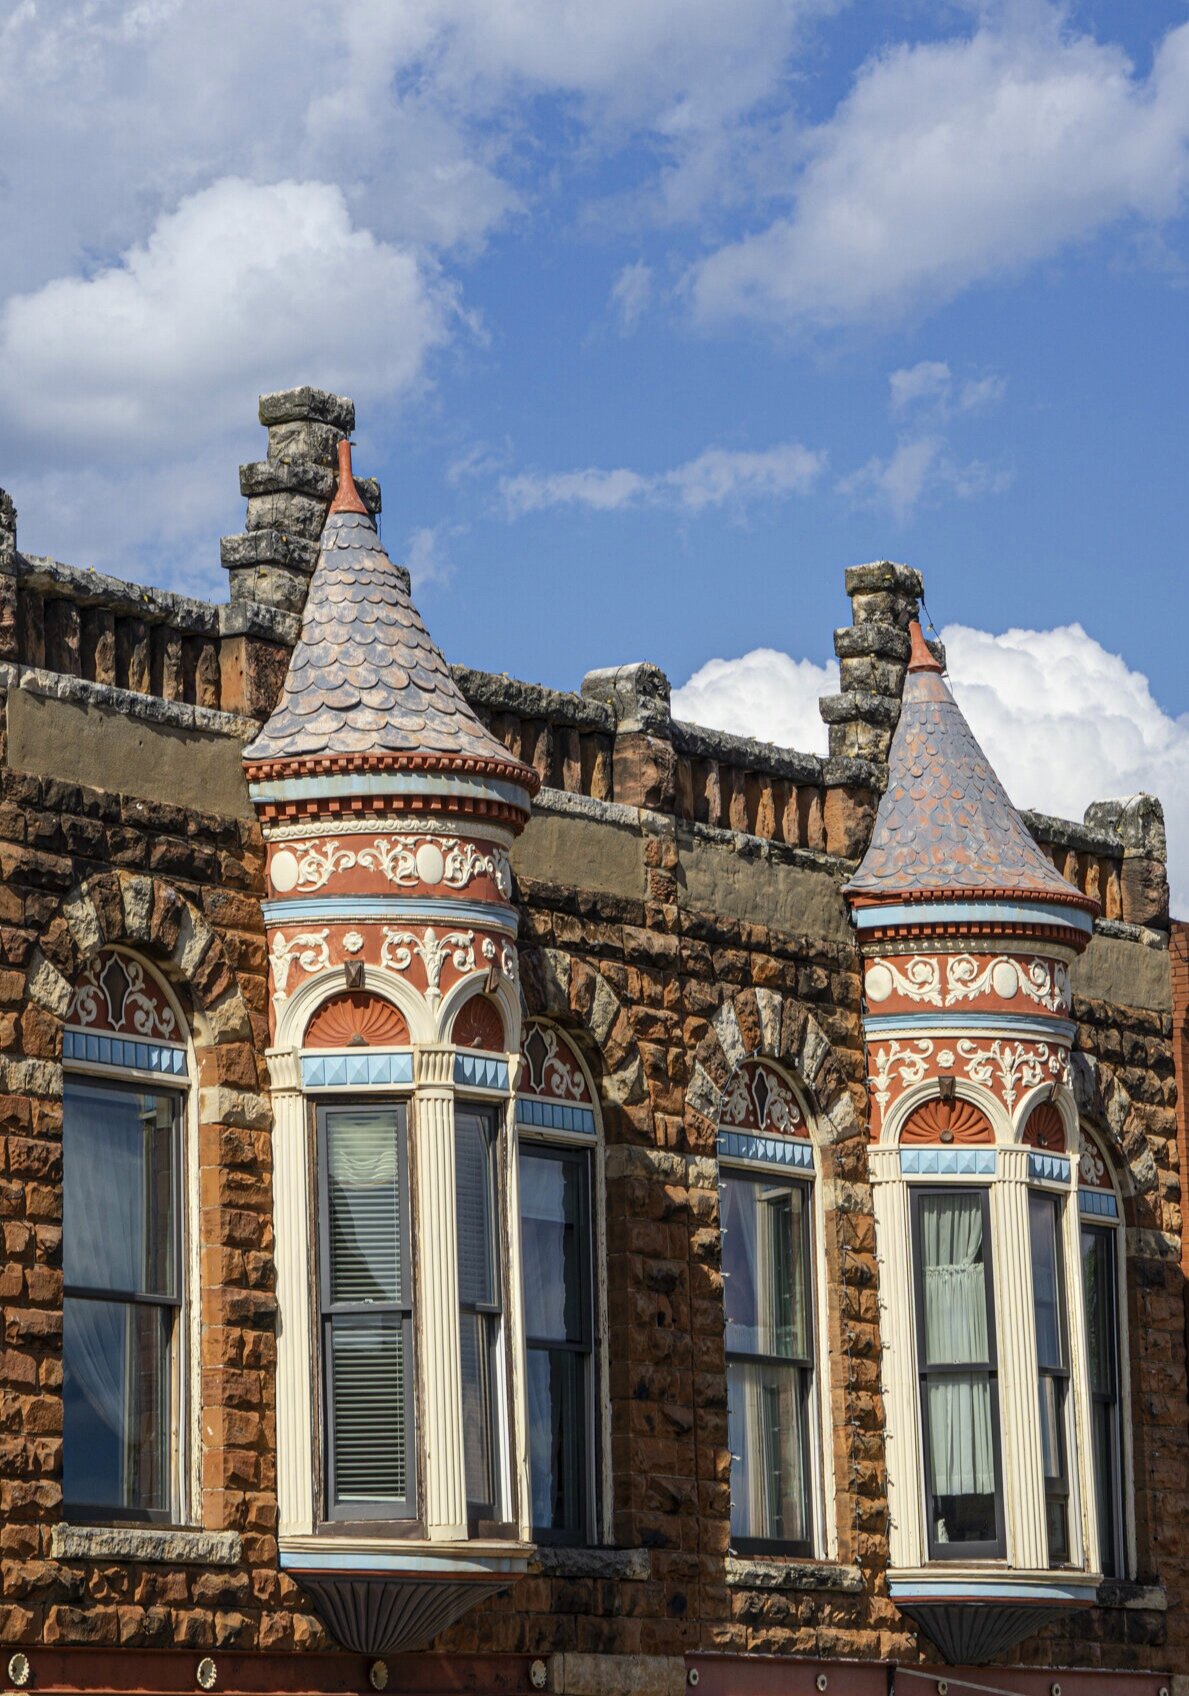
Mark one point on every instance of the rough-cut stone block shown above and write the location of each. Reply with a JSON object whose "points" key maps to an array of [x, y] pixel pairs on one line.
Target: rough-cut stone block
{"points": [[287, 406], [140, 1543], [886, 576], [268, 547], [287, 476]]}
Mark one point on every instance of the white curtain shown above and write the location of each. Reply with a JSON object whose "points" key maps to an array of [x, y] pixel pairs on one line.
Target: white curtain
{"points": [[960, 1427]]}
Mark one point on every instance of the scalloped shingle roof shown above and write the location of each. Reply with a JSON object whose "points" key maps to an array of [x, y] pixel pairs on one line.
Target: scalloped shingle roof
{"points": [[366, 676], [944, 821]]}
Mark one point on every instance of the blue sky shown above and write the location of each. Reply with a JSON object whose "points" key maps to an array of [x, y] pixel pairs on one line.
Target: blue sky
{"points": [[657, 315]]}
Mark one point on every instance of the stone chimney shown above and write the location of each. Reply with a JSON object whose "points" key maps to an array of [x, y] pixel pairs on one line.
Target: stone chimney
{"points": [[288, 497], [873, 653]]}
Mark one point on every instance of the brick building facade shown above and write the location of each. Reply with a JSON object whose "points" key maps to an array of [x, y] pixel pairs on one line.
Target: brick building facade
{"points": [[385, 1048]]}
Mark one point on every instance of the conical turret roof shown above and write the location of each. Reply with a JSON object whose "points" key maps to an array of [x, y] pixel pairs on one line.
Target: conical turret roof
{"points": [[366, 678], [945, 826]]}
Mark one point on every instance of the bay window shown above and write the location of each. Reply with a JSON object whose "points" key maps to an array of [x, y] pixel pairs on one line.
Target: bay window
{"points": [[122, 1260], [1052, 1359], [958, 1373], [766, 1259], [366, 1312]]}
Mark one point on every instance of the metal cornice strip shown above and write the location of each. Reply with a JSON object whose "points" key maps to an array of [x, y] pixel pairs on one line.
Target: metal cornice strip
{"points": [[389, 783], [338, 909], [957, 1023], [959, 912]]}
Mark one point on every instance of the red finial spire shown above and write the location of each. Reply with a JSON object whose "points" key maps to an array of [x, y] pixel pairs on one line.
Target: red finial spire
{"points": [[346, 496], [920, 658]]}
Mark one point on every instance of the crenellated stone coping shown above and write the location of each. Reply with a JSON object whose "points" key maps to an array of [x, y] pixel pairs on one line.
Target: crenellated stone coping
{"points": [[55, 580], [145, 1543], [180, 715], [746, 753], [503, 694]]}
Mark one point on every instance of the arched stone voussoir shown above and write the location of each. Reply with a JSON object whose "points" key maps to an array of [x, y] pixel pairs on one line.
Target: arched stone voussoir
{"points": [[556, 986], [761, 1024]]}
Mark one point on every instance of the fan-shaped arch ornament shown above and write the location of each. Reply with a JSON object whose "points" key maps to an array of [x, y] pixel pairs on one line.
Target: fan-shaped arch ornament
{"points": [[941, 1121], [479, 1025], [1045, 1129], [357, 1019]]}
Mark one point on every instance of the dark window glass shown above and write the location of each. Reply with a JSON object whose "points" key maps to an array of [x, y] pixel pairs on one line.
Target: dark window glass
{"points": [[559, 1329], [367, 1362], [766, 1267], [1044, 1222], [479, 1302], [1100, 1287], [121, 1254], [958, 1379]]}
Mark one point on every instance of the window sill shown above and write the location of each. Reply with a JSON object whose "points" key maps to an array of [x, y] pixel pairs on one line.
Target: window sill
{"points": [[555, 1560], [778, 1572], [1122, 1593], [145, 1543]]}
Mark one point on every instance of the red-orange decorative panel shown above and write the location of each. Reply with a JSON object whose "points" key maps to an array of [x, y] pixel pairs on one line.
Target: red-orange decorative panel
{"points": [[947, 1122], [479, 1025], [1045, 1129], [357, 1019]]}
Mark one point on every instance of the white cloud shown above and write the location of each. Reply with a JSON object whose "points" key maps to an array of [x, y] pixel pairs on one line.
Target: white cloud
{"points": [[1063, 721], [426, 553], [717, 477], [929, 387], [953, 162], [921, 468], [141, 379], [764, 694], [630, 294]]}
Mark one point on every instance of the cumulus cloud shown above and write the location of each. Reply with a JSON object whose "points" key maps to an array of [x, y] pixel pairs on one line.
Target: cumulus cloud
{"points": [[145, 370], [921, 468], [1062, 719], [956, 161], [717, 477]]}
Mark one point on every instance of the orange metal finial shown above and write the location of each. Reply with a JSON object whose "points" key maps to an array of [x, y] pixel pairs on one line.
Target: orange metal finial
{"points": [[920, 659], [346, 497]]}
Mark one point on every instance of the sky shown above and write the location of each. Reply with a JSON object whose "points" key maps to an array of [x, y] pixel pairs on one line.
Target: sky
{"points": [[657, 314]]}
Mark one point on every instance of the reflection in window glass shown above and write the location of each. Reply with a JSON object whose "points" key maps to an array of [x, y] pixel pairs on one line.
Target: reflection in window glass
{"points": [[1102, 1335], [765, 1223], [957, 1372], [478, 1294], [122, 1258], [555, 1211], [1053, 1367]]}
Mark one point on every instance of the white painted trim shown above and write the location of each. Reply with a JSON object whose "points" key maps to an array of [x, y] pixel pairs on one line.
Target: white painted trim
{"points": [[964, 1090], [297, 1458]]}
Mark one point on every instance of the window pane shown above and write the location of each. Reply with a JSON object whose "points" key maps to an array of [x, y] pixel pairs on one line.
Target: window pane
{"points": [[118, 1189], [555, 1254], [1098, 1284], [1104, 1430], [475, 1209], [115, 1391], [1052, 1427], [769, 1452], [1046, 1277], [764, 1266], [557, 1438], [476, 1331], [955, 1290], [961, 1457], [363, 1201], [367, 1370]]}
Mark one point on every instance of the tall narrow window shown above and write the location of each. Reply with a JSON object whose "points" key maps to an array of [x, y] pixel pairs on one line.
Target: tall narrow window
{"points": [[558, 1136], [1100, 1287], [1052, 1359], [366, 1306], [122, 1261], [559, 1331], [958, 1374], [479, 1301], [769, 1341]]}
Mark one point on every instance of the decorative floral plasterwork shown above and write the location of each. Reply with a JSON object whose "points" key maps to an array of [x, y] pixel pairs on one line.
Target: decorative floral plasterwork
{"points": [[113, 993], [404, 863], [352, 942], [1092, 1167], [507, 958], [966, 977], [909, 1064], [550, 1069], [308, 949], [759, 1099], [457, 946], [1014, 1066]]}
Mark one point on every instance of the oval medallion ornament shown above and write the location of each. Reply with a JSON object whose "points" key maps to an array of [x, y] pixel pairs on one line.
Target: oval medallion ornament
{"points": [[1005, 980], [431, 866], [878, 982], [283, 871]]}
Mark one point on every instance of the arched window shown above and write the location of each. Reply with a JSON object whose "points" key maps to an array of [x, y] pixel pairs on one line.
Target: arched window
{"points": [[123, 1148], [557, 1129], [1100, 1219], [765, 1174]]}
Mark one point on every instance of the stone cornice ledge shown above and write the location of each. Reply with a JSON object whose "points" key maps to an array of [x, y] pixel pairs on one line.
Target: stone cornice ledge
{"points": [[775, 1572], [554, 1561], [145, 1543]]}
